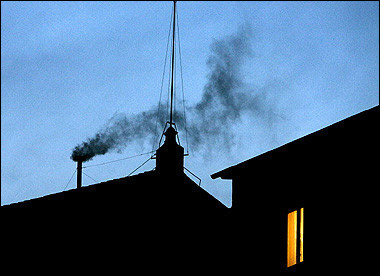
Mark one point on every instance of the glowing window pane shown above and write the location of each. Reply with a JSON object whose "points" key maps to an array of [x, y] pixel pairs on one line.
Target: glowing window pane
{"points": [[301, 236], [292, 238]]}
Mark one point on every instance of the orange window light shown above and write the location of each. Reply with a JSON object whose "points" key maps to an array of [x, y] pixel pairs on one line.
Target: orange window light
{"points": [[292, 239], [301, 236]]}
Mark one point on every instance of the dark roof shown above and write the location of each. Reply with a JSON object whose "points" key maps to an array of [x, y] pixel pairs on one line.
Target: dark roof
{"points": [[144, 193], [70, 196], [352, 136]]}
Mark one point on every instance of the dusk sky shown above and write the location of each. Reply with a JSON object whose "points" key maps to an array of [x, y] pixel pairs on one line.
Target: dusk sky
{"points": [[67, 68]]}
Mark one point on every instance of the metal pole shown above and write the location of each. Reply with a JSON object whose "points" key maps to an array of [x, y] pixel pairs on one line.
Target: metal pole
{"points": [[79, 174], [172, 84]]}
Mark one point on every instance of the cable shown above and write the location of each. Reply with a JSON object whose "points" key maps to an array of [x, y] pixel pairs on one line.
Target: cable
{"points": [[200, 180], [140, 166], [174, 86], [171, 71], [183, 94], [70, 179], [89, 176], [162, 83], [168, 100], [118, 160]]}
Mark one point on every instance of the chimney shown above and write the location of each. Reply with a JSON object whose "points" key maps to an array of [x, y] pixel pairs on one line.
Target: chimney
{"points": [[169, 157], [79, 174]]}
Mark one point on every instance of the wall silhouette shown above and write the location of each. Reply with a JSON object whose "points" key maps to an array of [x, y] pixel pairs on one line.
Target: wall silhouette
{"points": [[331, 174]]}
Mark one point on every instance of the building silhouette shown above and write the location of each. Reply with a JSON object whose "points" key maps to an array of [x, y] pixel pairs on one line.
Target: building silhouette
{"points": [[320, 186], [160, 192], [327, 177]]}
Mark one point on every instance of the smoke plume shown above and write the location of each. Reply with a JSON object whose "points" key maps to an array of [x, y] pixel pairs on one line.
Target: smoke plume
{"points": [[226, 97], [117, 134], [224, 101]]}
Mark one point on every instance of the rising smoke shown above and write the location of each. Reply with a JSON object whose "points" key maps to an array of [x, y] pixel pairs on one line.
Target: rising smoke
{"points": [[117, 134], [225, 99]]}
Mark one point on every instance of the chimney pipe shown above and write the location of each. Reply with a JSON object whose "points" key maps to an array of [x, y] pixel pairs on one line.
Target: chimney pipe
{"points": [[79, 174]]}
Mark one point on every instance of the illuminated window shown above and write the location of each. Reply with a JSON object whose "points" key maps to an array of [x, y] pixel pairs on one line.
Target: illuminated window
{"points": [[301, 236], [292, 238], [295, 236]]}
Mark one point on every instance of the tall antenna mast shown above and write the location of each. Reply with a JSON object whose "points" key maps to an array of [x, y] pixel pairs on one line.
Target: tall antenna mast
{"points": [[172, 82]]}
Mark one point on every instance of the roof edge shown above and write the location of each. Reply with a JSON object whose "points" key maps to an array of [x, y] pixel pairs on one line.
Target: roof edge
{"points": [[228, 172]]}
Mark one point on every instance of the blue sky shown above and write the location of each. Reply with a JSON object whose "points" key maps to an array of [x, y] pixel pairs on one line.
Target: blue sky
{"points": [[68, 67]]}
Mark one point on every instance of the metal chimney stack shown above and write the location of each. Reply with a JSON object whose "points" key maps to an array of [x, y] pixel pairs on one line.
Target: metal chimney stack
{"points": [[79, 174]]}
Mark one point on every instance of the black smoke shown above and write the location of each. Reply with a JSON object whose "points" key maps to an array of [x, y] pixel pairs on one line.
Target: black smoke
{"points": [[224, 101], [117, 134], [226, 96]]}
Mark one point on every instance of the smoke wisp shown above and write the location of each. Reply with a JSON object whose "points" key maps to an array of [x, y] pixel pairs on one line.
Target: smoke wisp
{"points": [[116, 135], [224, 101]]}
